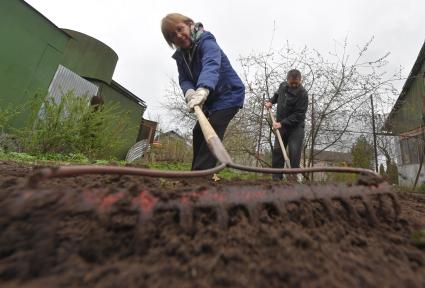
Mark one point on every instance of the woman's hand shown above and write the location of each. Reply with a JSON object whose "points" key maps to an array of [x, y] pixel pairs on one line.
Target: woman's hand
{"points": [[268, 104], [189, 95], [198, 98], [277, 125]]}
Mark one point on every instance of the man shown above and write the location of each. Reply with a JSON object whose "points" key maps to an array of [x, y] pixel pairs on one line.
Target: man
{"points": [[292, 103]]}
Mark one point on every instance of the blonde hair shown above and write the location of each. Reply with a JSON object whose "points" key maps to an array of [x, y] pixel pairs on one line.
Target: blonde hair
{"points": [[169, 23]]}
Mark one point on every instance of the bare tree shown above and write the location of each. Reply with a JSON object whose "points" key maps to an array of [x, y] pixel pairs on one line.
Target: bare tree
{"points": [[340, 84], [175, 103]]}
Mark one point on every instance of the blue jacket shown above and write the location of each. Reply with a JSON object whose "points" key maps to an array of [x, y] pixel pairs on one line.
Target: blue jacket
{"points": [[210, 68]]}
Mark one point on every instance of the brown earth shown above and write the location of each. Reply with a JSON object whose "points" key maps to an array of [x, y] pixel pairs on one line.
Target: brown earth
{"points": [[48, 242]]}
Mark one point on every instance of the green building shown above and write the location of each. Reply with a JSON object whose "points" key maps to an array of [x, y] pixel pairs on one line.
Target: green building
{"points": [[36, 56], [406, 121]]}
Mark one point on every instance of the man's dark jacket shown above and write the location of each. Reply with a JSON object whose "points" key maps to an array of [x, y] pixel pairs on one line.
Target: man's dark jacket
{"points": [[291, 105]]}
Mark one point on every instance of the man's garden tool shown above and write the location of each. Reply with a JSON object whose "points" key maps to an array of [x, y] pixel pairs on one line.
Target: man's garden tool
{"points": [[279, 137]]}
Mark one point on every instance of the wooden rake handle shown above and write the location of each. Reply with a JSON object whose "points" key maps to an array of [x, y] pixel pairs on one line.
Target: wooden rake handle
{"points": [[214, 143], [279, 137]]}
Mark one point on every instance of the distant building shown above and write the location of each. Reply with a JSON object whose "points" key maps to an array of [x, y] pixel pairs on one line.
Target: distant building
{"points": [[171, 146], [406, 121], [329, 159], [38, 57], [145, 140], [170, 134]]}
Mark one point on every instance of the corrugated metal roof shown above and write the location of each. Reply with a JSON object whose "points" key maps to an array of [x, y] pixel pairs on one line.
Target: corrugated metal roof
{"points": [[65, 81], [137, 150]]}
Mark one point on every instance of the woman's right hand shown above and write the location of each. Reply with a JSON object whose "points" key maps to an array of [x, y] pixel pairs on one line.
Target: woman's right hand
{"points": [[268, 104], [189, 95]]}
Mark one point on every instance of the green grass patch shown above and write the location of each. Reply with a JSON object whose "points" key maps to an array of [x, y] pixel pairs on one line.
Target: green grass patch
{"points": [[179, 166], [418, 238], [226, 174], [55, 159], [59, 159]]}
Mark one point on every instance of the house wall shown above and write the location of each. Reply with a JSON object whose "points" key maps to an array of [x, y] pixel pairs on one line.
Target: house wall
{"points": [[409, 116], [31, 49], [89, 57], [407, 122], [408, 152], [407, 175], [133, 111]]}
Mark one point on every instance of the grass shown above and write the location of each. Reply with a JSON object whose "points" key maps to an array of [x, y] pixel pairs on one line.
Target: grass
{"points": [[227, 174], [61, 159], [419, 189], [418, 238], [66, 159], [54, 158], [170, 166]]}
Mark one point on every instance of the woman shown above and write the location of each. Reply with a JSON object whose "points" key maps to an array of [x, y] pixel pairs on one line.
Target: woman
{"points": [[206, 78]]}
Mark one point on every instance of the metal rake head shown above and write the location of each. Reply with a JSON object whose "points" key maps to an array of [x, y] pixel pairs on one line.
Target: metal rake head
{"points": [[307, 205]]}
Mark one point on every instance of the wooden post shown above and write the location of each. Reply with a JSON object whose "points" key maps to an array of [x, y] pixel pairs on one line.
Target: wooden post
{"points": [[261, 130], [375, 149]]}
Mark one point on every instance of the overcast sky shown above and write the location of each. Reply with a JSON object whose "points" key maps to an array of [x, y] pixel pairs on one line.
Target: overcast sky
{"points": [[132, 29]]}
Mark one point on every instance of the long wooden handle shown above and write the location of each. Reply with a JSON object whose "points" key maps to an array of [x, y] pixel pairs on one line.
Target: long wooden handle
{"points": [[206, 127], [214, 143], [279, 137]]}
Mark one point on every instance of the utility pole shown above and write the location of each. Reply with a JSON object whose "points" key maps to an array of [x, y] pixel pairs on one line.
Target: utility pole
{"points": [[374, 134], [312, 137], [261, 130]]}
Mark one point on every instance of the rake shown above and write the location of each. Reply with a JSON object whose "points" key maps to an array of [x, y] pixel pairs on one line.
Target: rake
{"points": [[371, 198]]}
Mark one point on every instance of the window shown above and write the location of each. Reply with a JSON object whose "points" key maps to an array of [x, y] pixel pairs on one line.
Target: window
{"points": [[411, 149]]}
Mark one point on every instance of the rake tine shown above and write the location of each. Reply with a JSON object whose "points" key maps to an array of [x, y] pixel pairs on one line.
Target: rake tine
{"points": [[186, 219], [222, 216], [328, 206], [307, 217], [283, 212], [144, 217], [352, 213], [369, 211], [275, 206], [396, 206], [253, 213], [381, 204], [292, 212]]}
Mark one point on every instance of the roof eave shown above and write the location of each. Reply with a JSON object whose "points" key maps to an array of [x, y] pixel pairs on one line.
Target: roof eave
{"points": [[413, 73]]}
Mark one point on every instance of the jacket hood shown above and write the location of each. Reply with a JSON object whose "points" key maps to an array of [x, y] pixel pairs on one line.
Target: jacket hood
{"points": [[205, 36]]}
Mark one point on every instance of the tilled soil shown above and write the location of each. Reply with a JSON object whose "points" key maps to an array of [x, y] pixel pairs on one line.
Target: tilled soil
{"points": [[50, 238]]}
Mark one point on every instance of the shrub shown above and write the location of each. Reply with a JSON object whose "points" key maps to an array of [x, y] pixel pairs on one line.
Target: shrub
{"points": [[72, 126]]}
